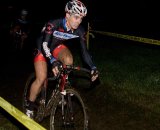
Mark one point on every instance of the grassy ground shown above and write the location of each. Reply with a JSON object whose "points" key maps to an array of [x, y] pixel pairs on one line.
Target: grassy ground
{"points": [[130, 85], [127, 97]]}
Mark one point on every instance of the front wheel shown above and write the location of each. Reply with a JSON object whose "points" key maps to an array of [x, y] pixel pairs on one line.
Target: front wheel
{"points": [[71, 115]]}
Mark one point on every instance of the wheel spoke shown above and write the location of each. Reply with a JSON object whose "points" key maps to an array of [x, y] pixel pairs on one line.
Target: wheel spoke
{"points": [[75, 114]]}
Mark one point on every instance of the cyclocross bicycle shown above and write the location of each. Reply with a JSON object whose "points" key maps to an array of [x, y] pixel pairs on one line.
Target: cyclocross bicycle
{"points": [[62, 102]]}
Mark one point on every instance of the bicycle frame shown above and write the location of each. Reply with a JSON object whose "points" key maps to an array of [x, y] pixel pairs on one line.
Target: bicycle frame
{"points": [[62, 83], [62, 103]]}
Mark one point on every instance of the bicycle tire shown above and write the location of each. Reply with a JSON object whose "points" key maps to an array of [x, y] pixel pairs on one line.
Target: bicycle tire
{"points": [[80, 121], [39, 112]]}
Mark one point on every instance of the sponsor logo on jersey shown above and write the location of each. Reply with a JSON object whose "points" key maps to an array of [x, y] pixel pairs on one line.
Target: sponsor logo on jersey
{"points": [[63, 35]]}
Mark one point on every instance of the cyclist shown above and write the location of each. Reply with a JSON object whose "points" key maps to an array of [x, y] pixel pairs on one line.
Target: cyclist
{"points": [[20, 27], [52, 47]]}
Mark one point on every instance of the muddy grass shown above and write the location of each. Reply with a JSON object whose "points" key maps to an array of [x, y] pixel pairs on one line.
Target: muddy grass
{"points": [[105, 111]]}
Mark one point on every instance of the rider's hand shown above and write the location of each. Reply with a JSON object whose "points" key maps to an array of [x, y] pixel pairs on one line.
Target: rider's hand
{"points": [[94, 74], [56, 65]]}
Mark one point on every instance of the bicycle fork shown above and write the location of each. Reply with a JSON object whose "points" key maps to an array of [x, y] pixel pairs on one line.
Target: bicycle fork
{"points": [[67, 110]]}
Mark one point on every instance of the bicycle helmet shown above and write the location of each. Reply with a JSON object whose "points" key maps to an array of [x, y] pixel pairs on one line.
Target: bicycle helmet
{"points": [[24, 12], [76, 7]]}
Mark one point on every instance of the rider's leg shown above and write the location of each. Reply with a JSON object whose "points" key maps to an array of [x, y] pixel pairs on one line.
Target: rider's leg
{"points": [[63, 54], [40, 66], [41, 75]]}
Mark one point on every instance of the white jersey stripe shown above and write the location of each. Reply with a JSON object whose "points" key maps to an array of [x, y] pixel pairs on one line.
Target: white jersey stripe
{"points": [[63, 35]]}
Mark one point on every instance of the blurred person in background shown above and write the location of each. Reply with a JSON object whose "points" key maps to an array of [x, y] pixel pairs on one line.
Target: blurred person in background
{"points": [[20, 30]]}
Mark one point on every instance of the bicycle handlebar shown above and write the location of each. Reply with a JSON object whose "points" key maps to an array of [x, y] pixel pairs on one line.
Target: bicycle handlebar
{"points": [[81, 69], [72, 67], [68, 68]]}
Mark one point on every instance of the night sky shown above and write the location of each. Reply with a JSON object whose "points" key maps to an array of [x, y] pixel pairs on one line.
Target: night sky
{"points": [[136, 15], [132, 14]]}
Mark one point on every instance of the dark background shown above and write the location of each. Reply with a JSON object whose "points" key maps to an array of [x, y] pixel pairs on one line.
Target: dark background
{"points": [[133, 15]]}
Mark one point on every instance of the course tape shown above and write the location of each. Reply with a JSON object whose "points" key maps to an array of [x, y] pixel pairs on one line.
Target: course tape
{"points": [[129, 37], [21, 117]]}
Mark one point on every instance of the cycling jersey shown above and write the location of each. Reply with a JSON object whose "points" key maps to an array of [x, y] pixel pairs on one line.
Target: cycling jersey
{"points": [[55, 33]]}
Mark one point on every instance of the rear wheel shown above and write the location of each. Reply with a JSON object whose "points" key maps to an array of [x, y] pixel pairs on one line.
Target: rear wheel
{"points": [[73, 117]]}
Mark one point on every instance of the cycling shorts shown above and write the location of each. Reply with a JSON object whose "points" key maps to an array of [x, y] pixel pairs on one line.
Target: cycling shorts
{"points": [[40, 57]]}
